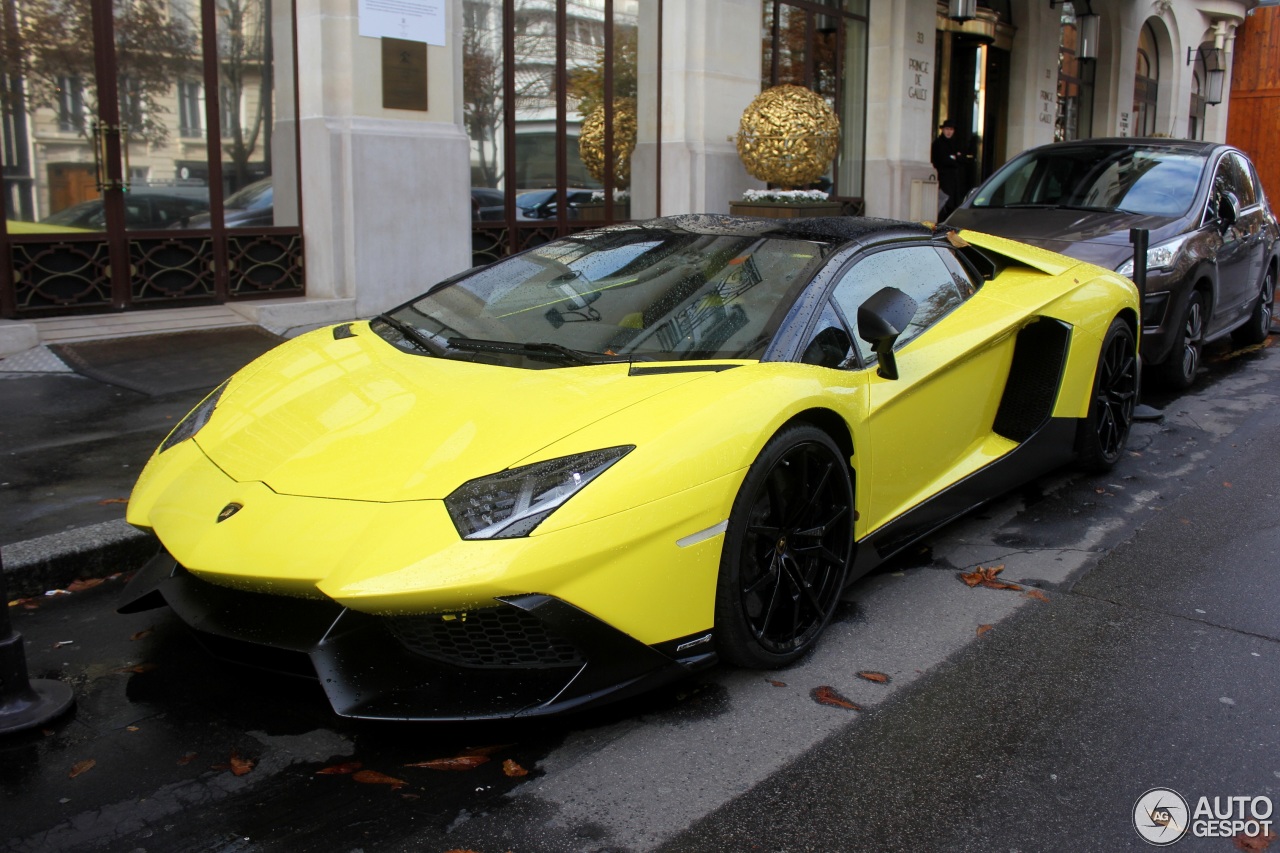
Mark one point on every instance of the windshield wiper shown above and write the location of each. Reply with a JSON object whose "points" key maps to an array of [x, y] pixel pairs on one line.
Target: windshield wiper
{"points": [[536, 349], [1043, 206], [411, 334]]}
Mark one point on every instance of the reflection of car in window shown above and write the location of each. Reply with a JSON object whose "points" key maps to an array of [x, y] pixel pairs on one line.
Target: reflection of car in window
{"points": [[541, 204], [141, 211], [250, 206]]}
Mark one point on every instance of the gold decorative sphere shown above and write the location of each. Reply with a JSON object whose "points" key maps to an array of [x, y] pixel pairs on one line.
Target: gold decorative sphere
{"points": [[788, 136], [591, 142]]}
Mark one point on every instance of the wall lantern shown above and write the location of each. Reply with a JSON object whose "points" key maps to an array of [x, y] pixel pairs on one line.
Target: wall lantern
{"points": [[1215, 70], [962, 10], [1088, 26]]}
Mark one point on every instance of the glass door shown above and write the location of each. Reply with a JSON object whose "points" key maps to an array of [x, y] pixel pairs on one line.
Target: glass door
{"points": [[126, 181]]}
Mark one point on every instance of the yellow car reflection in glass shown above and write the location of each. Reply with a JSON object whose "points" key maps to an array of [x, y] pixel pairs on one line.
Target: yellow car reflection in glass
{"points": [[623, 455]]}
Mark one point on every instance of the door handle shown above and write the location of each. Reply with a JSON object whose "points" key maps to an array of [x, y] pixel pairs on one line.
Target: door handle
{"points": [[100, 132]]}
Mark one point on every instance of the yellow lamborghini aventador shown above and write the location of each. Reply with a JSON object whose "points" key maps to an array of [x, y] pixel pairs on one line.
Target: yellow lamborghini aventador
{"points": [[620, 456]]}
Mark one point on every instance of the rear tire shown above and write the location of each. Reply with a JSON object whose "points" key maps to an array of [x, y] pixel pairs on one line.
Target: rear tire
{"points": [[1178, 371], [1115, 394], [1255, 331], [786, 551]]}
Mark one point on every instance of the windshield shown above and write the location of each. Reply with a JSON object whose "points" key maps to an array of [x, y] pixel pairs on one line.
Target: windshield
{"points": [[1127, 179], [633, 293]]}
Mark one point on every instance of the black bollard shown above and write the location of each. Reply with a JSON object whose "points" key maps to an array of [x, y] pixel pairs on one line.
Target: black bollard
{"points": [[24, 703]]}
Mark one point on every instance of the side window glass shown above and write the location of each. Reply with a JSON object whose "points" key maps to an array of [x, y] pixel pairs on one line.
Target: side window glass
{"points": [[1244, 181], [830, 345], [918, 271], [1221, 183]]}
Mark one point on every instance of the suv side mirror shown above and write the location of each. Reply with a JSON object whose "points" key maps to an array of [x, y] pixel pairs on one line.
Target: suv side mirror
{"points": [[1228, 209], [881, 319]]}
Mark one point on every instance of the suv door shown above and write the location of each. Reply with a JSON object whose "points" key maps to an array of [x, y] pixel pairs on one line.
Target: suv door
{"points": [[1233, 256]]}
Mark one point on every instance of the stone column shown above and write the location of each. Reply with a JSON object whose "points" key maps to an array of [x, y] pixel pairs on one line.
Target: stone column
{"points": [[385, 193], [711, 55]]}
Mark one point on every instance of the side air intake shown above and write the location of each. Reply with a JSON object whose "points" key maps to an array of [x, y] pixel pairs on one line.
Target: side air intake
{"points": [[1039, 356]]}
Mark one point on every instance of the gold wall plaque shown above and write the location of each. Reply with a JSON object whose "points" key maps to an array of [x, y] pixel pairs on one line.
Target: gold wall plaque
{"points": [[404, 74]]}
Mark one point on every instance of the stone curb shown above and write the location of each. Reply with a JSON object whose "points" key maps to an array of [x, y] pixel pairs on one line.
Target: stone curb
{"points": [[54, 561]]}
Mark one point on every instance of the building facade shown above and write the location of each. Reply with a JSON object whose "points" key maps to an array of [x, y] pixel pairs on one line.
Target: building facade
{"points": [[534, 119]]}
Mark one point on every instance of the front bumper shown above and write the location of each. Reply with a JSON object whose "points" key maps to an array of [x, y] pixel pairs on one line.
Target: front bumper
{"points": [[531, 655]]}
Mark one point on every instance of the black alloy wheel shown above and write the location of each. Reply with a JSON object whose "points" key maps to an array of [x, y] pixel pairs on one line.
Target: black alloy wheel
{"points": [[786, 551], [1179, 370], [1115, 394], [1257, 328]]}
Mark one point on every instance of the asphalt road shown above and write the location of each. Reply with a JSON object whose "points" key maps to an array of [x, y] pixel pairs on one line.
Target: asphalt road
{"points": [[1140, 653]]}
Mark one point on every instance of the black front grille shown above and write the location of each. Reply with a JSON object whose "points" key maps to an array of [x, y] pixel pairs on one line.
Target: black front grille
{"points": [[490, 637]]}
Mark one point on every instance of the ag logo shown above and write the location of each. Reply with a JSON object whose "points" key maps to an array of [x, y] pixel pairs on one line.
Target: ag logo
{"points": [[228, 511], [1161, 816]]}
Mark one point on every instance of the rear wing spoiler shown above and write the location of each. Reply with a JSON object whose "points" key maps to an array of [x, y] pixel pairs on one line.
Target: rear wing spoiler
{"points": [[991, 254]]}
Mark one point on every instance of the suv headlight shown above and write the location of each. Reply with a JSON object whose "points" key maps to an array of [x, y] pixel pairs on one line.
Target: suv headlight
{"points": [[195, 419], [1160, 257], [511, 503]]}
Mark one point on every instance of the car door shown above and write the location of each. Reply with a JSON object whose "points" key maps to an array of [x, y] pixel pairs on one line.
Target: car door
{"points": [[932, 426], [1253, 221], [1231, 259]]}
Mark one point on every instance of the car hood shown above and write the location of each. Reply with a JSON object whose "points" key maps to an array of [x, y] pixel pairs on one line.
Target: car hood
{"points": [[1097, 238], [355, 418]]}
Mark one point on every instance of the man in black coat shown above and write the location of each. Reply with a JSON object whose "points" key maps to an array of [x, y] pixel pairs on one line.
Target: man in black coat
{"points": [[949, 159]]}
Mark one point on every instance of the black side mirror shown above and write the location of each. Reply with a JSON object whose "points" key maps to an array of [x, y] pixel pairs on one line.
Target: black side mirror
{"points": [[881, 319], [1228, 209]]}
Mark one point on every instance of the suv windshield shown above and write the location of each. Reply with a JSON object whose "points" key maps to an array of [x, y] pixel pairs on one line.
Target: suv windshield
{"points": [[1126, 179], [628, 293]]}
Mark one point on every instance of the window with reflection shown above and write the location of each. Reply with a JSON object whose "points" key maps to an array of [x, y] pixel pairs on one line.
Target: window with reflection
{"points": [[1146, 84], [822, 45]]}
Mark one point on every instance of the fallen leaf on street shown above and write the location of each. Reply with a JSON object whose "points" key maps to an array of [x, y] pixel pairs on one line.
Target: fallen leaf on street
{"points": [[828, 696], [82, 585], [513, 770], [139, 668], [240, 766], [186, 759], [777, 683], [373, 777], [113, 501], [982, 629], [132, 729], [1036, 594], [987, 577], [877, 677], [460, 762], [80, 767], [340, 769], [1226, 485], [1254, 843], [145, 632]]}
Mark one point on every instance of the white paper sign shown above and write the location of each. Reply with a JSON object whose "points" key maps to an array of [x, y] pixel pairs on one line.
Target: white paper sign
{"points": [[412, 20]]}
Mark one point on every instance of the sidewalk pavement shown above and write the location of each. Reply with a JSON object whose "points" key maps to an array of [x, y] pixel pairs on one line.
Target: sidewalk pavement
{"points": [[78, 422]]}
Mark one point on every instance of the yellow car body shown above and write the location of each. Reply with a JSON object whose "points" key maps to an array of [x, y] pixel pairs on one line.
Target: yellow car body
{"points": [[322, 473]]}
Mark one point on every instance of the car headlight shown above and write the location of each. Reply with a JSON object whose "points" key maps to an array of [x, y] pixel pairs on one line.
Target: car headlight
{"points": [[1160, 257], [195, 419], [512, 503]]}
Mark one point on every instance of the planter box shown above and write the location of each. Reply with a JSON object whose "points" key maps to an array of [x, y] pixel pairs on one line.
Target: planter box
{"points": [[593, 211], [784, 210]]}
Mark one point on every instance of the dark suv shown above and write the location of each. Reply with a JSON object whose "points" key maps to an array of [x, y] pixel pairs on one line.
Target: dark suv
{"points": [[1212, 256]]}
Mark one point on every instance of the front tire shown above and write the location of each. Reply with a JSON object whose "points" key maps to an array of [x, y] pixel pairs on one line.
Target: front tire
{"points": [[786, 550], [1255, 331], [1115, 394], [1178, 371]]}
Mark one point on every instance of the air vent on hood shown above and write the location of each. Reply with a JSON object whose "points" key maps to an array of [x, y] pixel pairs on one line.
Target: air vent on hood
{"points": [[343, 331]]}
